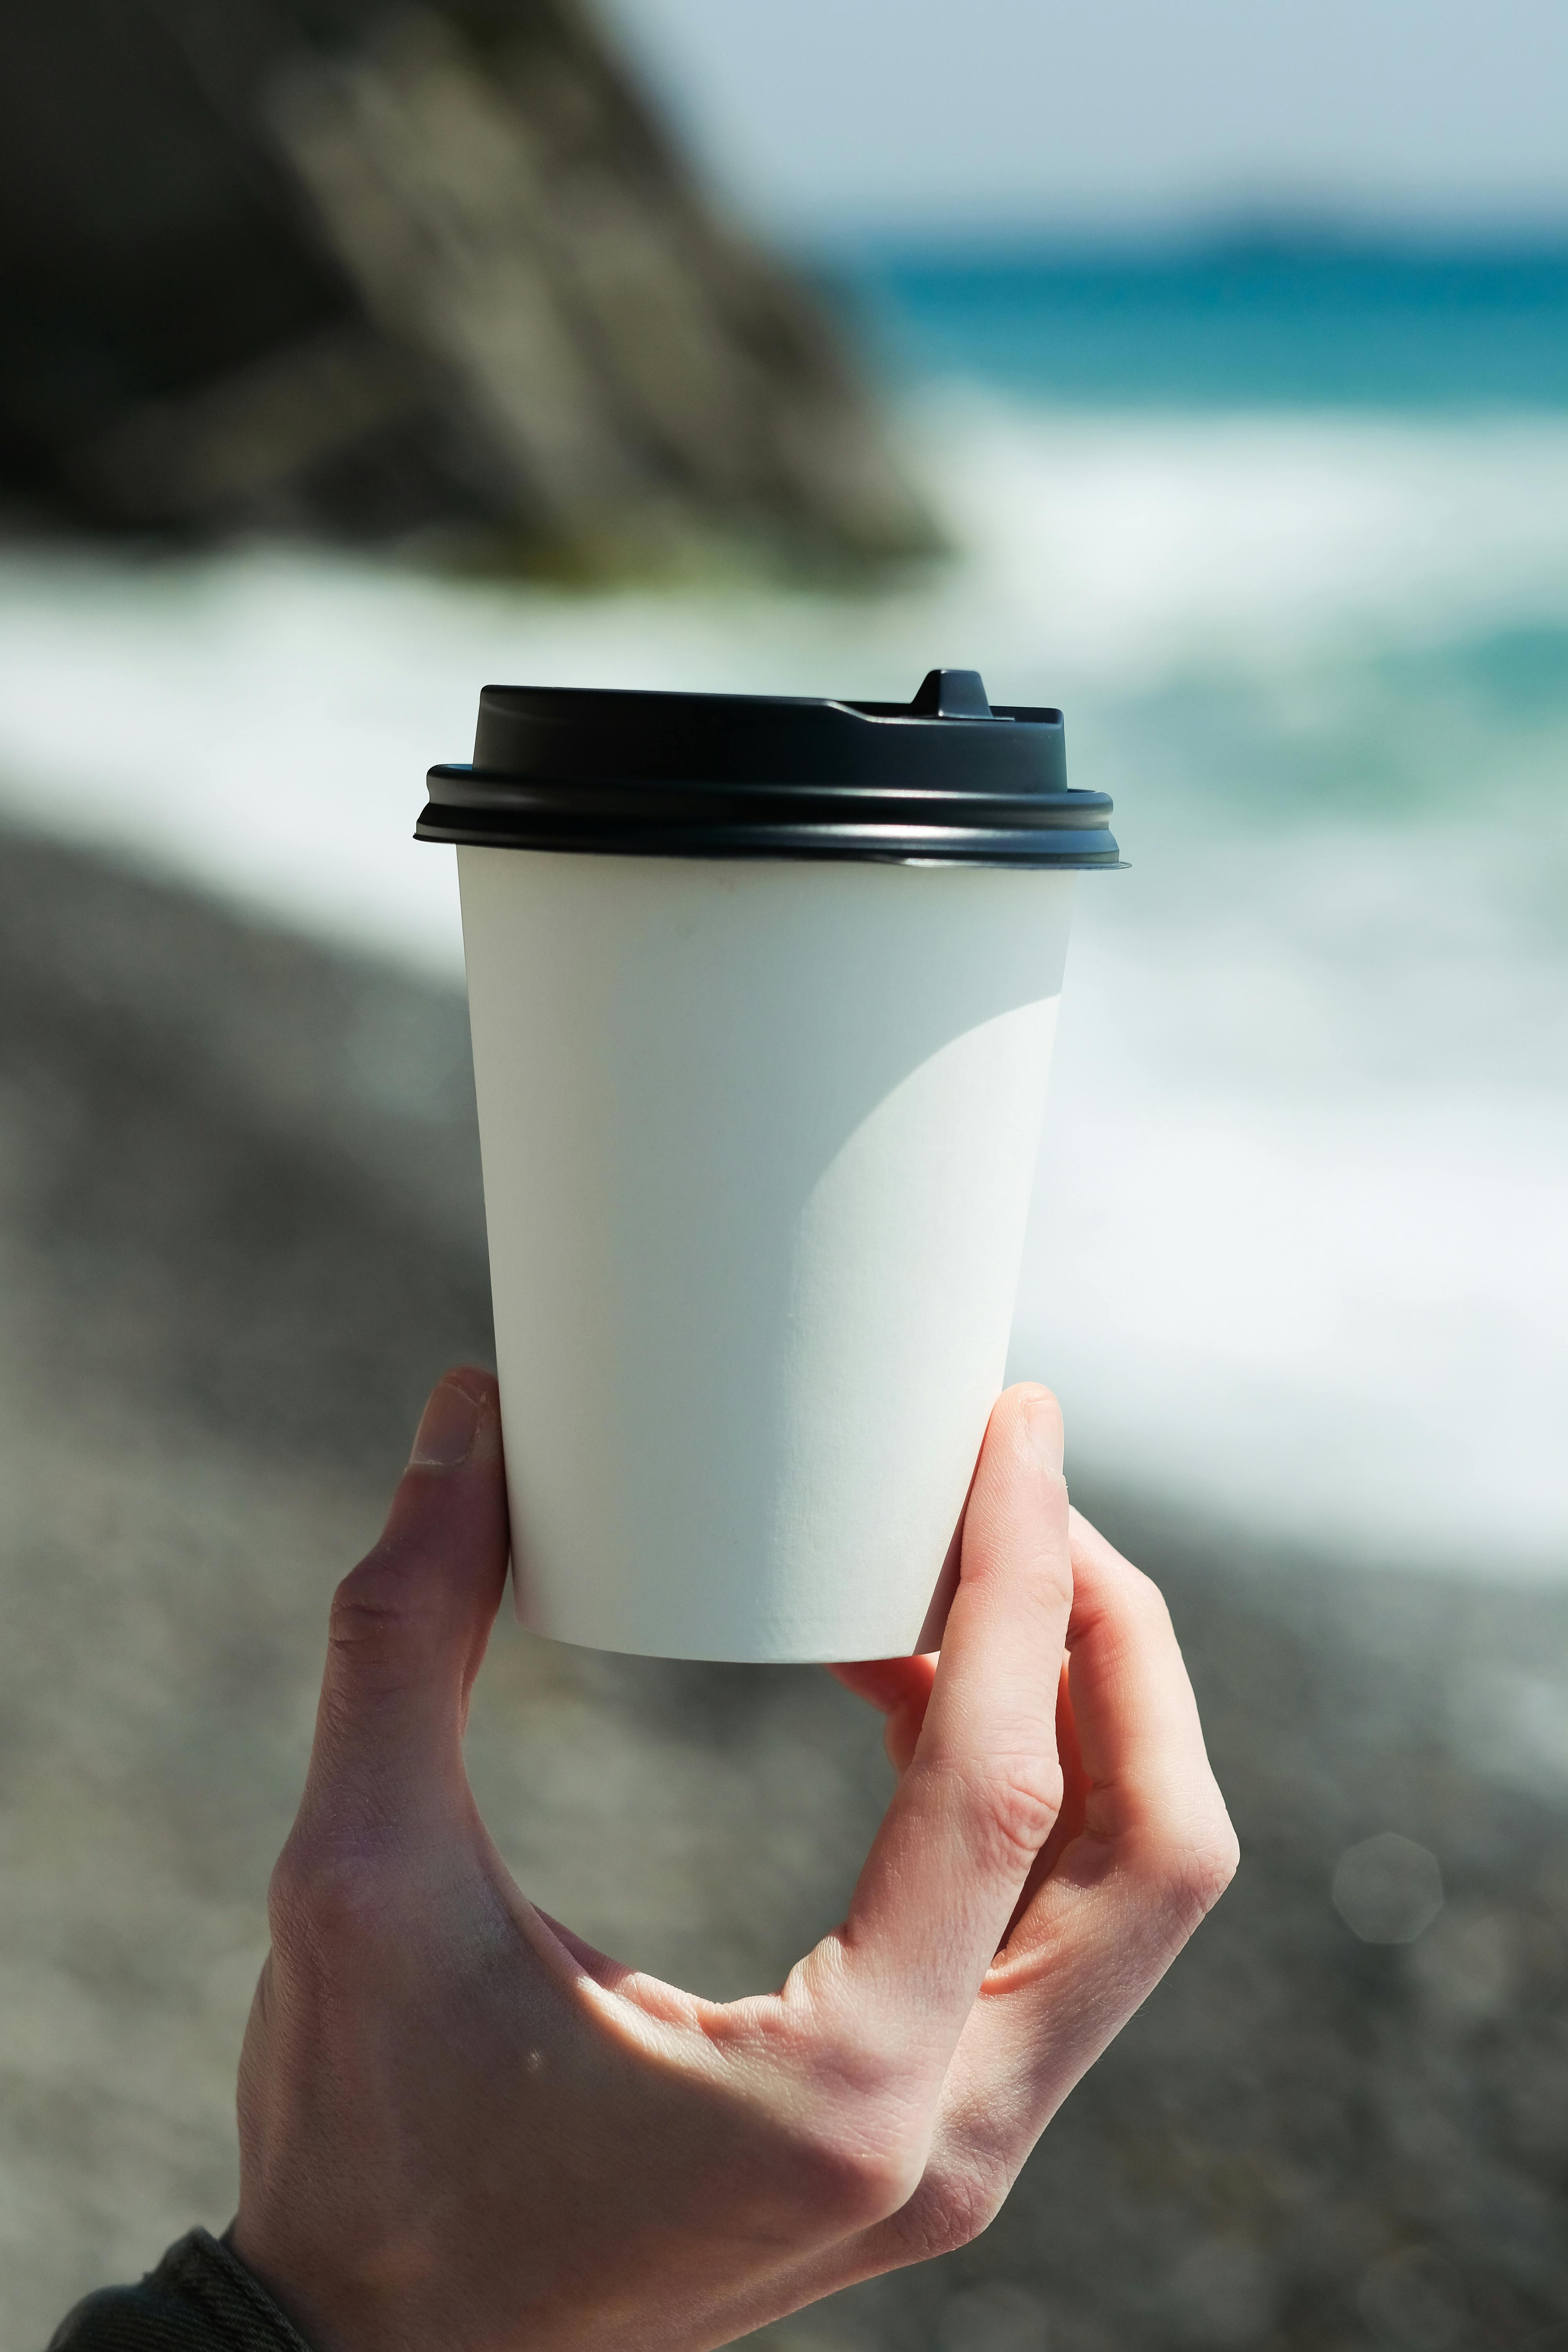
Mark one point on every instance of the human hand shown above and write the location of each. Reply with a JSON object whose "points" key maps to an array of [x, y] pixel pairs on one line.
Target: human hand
{"points": [[459, 2126]]}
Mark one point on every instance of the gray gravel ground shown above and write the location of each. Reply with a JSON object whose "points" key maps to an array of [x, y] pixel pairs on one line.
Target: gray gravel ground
{"points": [[239, 1235]]}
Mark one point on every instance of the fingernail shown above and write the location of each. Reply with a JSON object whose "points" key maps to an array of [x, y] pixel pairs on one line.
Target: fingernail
{"points": [[1043, 1418], [447, 1429]]}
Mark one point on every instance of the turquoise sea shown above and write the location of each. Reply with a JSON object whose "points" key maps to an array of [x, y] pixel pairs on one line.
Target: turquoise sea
{"points": [[1285, 316], [1282, 521]]}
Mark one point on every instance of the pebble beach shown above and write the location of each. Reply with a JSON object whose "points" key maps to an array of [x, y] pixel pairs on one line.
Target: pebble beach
{"points": [[241, 1234]]}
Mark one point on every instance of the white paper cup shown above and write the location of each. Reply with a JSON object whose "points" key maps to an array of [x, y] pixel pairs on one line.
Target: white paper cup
{"points": [[759, 1137], [762, 991]]}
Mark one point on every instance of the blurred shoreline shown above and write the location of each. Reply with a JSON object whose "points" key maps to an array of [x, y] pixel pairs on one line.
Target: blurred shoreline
{"points": [[240, 1234], [1305, 1117]]}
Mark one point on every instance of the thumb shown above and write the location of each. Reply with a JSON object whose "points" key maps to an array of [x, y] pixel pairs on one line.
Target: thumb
{"points": [[409, 1625]]}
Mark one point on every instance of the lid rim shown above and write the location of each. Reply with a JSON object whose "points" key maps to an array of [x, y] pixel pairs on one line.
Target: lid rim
{"points": [[459, 784], [1040, 848], [948, 778]]}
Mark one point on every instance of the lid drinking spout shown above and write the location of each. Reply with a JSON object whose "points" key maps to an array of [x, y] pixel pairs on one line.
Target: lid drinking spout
{"points": [[951, 694]]}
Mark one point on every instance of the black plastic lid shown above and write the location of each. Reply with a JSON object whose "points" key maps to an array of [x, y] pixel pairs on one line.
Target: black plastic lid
{"points": [[942, 778]]}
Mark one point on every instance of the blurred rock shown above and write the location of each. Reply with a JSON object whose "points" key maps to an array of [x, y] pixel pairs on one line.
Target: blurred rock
{"points": [[1387, 1889], [239, 1234], [1224, 2293], [995, 2317], [381, 271], [1413, 2302]]}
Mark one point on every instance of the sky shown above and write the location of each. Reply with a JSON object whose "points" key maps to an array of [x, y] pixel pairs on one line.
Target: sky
{"points": [[831, 118]]}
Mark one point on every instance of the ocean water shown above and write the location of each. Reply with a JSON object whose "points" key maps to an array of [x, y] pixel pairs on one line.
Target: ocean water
{"points": [[1283, 315], [1301, 1249]]}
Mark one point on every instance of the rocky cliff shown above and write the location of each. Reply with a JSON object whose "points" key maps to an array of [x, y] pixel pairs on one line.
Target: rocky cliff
{"points": [[377, 270]]}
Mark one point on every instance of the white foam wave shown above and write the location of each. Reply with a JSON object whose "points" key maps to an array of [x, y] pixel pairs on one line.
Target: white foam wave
{"points": [[1299, 1249], [1118, 551]]}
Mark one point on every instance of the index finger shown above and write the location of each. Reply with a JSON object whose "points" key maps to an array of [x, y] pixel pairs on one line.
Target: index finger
{"points": [[1150, 1783], [1149, 1846], [1141, 1852], [984, 1786]]}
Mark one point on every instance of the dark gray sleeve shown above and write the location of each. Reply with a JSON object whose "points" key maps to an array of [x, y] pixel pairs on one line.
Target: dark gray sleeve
{"points": [[201, 2298]]}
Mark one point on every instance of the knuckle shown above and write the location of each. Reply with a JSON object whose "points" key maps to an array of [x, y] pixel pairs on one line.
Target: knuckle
{"points": [[1018, 1804], [1003, 1805], [1146, 1599], [325, 1901], [852, 2176], [1211, 1863], [1051, 1584], [1191, 1869], [374, 1611], [951, 2205]]}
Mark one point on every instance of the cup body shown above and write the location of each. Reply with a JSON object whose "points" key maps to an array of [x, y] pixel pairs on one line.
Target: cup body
{"points": [[759, 1137]]}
